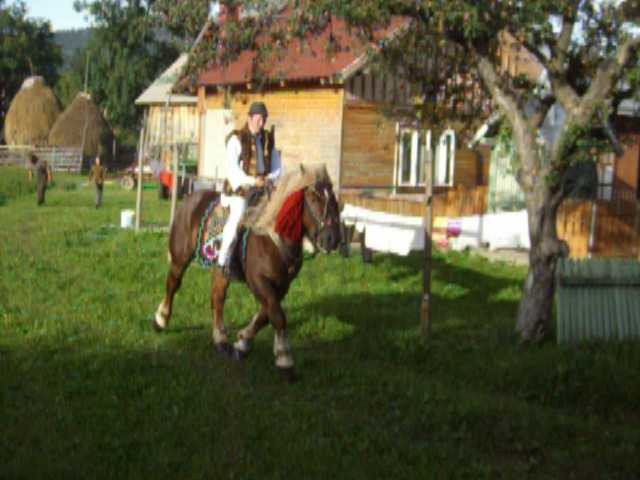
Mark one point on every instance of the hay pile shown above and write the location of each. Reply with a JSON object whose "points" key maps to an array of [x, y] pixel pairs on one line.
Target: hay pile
{"points": [[31, 115], [68, 129]]}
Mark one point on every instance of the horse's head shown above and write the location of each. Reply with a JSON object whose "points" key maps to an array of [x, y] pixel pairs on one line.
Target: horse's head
{"points": [[321, 217]]}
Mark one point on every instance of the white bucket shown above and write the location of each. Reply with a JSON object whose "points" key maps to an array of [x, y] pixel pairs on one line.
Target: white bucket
{"points": [[126, 218]]}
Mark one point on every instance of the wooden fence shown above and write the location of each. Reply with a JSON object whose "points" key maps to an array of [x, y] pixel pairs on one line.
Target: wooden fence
{"points": [[601, 228], [456, 202], [61, 159], [598, 228]]}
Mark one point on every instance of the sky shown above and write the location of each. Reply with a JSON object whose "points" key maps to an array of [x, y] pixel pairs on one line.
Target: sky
{"points": [[59, 12]]}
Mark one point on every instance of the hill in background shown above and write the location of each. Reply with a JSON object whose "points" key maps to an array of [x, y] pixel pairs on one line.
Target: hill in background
{"points": [[70, 41]]}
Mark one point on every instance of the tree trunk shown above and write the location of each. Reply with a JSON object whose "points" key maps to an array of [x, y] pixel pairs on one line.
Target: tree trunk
{"points": [[534, 315]]}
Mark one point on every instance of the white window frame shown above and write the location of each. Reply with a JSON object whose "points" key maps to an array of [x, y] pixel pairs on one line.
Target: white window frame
{"points": [[445, 151], [418, 139], [606, 176]]}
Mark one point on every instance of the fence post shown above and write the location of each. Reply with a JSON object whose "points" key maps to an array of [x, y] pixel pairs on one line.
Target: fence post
{"points": [[139, 190], [425, 309]]}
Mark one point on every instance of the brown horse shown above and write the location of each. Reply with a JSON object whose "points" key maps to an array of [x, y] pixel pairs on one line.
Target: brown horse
{"points": [[271, 260]]}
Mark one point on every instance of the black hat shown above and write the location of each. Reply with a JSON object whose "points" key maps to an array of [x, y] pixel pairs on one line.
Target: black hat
{"points": [[258, 108]]}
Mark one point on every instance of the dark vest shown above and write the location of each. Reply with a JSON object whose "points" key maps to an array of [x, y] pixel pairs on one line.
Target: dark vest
{"points": [[248, 157]]}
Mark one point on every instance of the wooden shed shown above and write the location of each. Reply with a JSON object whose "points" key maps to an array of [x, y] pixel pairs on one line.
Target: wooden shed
{"points": [[169, 118]]}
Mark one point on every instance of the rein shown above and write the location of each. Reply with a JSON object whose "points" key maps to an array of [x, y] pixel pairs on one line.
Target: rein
{"points": [[320, 222]]}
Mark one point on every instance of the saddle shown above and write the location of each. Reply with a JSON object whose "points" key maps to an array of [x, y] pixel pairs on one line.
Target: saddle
{"points": [[209, 237]]}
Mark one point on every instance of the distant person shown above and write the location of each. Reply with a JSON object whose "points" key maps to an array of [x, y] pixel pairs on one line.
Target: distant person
{"points": [[41, 170], [97, 174]]}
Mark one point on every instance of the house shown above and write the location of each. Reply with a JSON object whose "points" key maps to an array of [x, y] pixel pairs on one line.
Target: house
{"points": [[334, 109]]}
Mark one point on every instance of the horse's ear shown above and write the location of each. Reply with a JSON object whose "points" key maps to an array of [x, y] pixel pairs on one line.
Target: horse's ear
{"points": [[302, 169]]}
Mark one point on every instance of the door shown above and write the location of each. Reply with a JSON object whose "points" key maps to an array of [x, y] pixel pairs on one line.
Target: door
{"points": [[218, 123]]}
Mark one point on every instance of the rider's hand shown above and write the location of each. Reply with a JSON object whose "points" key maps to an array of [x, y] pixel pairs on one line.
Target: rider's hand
{"points": [[260, 181]]}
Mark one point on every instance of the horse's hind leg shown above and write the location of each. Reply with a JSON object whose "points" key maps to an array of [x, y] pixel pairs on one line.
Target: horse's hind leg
{"points": [[219, 285], [174, 280]]}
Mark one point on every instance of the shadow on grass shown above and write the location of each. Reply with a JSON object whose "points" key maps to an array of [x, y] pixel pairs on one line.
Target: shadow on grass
{"points": [[458, 293]]}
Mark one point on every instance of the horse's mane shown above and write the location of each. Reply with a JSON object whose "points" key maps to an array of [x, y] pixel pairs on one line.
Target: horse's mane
{"points": [[261, 218]]}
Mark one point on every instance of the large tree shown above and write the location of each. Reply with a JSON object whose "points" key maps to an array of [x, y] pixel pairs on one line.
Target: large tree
{"points": [[585, 47], [26, 48], [71, 79], [126, 53]]}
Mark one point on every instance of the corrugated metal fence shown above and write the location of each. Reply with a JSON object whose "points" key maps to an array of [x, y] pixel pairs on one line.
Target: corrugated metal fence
{"points": [[598, 299]]}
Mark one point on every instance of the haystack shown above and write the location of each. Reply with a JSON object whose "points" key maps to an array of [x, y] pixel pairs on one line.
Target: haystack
{"points": [[82, 118], [31, 114]]}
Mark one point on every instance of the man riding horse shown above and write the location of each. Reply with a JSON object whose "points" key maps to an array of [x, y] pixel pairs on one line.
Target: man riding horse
{"points": [[268, 254], [252, 161]]}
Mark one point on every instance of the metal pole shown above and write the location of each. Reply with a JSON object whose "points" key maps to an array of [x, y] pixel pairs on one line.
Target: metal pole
{"points": [[139, 192], [425, 309]]}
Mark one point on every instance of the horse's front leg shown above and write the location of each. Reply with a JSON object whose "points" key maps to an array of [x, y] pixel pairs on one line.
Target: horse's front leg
{"points": [[219, 285], [281, 346], [242, 347]]}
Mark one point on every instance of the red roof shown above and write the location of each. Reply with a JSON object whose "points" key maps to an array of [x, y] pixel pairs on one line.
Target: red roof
{"points": [[303, 63]]}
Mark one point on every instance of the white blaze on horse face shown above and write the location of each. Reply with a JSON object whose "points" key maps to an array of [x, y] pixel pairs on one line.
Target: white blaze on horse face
{"points": [[161, 314], [282, 350]]}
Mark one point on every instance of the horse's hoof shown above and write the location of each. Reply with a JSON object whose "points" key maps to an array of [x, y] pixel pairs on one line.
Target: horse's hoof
{"points": [[156, 327], [288, 375], [225, 349], [239, 355]]}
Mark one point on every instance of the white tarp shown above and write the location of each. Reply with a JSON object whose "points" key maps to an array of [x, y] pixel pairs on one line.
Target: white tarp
{"points": [[386, 232], [400, 234], [497, 230]]}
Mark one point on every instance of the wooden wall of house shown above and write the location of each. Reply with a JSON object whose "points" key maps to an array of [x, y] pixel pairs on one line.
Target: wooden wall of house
{"points": [[373, 106], [308, 122], [368, 147], [471, 168], [627, 168]]}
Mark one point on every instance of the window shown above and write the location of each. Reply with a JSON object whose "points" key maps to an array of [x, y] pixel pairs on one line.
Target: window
{"points": [[445, 160], [411, 157], [605, 176]]}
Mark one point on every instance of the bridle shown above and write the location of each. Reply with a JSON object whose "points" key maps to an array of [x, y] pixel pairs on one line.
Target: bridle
{"points": [[324, 221]]}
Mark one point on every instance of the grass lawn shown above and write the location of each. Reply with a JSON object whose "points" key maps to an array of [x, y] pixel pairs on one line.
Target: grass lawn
{"points": [[88, 390]]}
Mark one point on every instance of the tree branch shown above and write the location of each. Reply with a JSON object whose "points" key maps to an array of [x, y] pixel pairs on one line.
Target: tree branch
{"points": [[523, 134], [533, 49], [610, 132], [606, 77], [560, 47], [541, 112]]}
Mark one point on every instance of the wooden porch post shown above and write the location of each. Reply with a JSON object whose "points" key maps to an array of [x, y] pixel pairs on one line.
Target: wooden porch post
{"points": [[425, 309], [139, 179], [174, 183]]}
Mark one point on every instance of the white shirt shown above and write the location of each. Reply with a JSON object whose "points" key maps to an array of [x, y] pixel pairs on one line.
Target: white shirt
{"points": [[235, 174]]}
